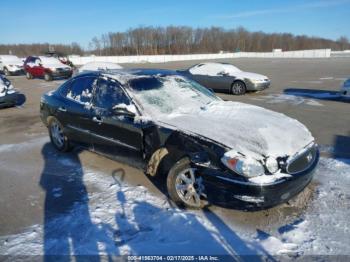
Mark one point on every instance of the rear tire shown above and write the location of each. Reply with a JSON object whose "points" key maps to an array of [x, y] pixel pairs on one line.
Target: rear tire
{"points": [[238, 88], [29, 76], [57, 136], [47, 77], [184, 186]]}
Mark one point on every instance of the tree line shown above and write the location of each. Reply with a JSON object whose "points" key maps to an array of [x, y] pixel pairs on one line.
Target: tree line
{"points": [[186, 40], [149, 40]]}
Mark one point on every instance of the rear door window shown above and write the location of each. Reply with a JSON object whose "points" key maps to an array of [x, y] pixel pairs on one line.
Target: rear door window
{"points": [[206, 69], [80, 89]]}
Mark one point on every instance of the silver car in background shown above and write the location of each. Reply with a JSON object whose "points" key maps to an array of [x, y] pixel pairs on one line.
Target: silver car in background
{"points": [[223, 77]]}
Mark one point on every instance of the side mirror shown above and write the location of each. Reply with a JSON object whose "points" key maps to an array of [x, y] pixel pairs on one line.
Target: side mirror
{"points": [[222, 73], [123, 110]]}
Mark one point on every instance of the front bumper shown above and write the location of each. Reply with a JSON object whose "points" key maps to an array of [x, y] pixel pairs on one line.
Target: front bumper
{"points": [[257, 86], [63, 73], [224, 190]]}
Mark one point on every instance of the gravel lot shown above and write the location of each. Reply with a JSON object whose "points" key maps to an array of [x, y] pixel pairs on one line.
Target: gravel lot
{"points": [[304, 89]]}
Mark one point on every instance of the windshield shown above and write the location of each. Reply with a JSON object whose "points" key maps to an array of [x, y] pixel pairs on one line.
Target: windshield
{"points": [[170, 94], [230, 68]]}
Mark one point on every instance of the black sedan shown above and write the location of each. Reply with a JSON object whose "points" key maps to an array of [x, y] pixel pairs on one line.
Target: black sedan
{"points": [[223, 77], [8, 95], [227, 153]]}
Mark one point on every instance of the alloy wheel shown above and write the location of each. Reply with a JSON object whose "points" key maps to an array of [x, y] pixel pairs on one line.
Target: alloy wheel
{"points": [[238, 88], [189, 187], [57, 134]]}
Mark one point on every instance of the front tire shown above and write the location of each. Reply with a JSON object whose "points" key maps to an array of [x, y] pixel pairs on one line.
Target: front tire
{"points": [[47, 77], [238, 88], [184, 186], [29, 76], [57, 136]]}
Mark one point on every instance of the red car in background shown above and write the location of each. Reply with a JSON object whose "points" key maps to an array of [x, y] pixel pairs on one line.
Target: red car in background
{"points": [[46, 67]]}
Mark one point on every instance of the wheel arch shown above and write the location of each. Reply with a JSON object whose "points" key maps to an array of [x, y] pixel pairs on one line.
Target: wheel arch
{"points": [[162, 159], [49, 119], [239, 80]]}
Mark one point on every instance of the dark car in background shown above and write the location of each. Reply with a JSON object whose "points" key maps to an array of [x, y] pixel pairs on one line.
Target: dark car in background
{"points": [[8, 95], [223, 77], [46, 67], [227, 153]]}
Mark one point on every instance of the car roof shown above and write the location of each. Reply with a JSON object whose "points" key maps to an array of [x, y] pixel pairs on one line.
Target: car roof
{"points": [[149, 72], [213, 63], [131, 72]]}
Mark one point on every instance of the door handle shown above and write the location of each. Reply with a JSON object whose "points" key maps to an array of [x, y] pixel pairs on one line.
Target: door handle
{"points": [[62, 109], [97, 119]]}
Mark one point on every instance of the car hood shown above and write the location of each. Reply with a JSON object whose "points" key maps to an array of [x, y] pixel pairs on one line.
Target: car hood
{"points": [[250, 130], [249, 75], [14, 62]]}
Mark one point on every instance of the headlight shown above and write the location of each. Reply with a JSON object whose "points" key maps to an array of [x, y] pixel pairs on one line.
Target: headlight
{"points": [[272, 165], [258, 81], [52, 69], [243, 166]]}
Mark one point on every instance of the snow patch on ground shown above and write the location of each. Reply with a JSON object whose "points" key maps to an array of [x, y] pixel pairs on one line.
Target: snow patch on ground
{"points": [[120, 219], [21, 146], [327, 78], [290, 99], [308, 82]]}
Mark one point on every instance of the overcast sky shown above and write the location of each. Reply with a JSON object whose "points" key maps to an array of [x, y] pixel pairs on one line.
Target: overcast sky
{"points": [[67, 21]]}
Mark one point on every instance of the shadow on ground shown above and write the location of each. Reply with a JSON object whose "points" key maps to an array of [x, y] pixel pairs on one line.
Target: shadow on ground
{"points": [[67, 221], [316, 94], [341, 148]]}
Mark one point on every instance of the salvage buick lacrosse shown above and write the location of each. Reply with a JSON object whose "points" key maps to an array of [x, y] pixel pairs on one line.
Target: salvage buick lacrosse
{"points": [[227, 153]]}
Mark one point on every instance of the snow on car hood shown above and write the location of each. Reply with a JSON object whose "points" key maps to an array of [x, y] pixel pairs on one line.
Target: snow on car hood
{"points": [[52, 62], [249, 75], [12, 60], [250, 130]]}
